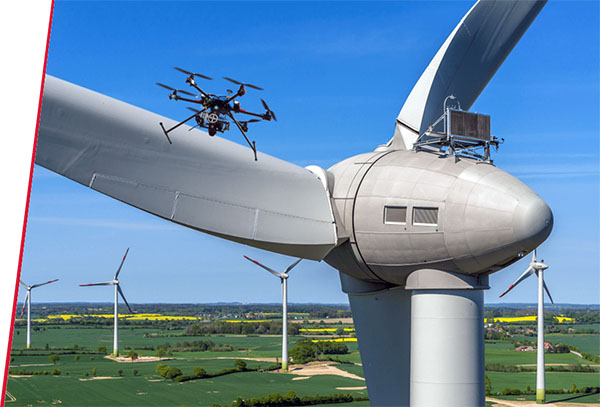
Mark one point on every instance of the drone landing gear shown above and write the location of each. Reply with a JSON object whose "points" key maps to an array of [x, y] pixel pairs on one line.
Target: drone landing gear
{"points": [[166, 132]]}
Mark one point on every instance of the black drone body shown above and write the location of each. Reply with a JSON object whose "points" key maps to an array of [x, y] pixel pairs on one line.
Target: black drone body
{"points": [[215, 110]]}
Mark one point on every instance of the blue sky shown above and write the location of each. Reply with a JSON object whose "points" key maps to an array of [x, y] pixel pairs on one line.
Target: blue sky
{"points": [[336, 74]]}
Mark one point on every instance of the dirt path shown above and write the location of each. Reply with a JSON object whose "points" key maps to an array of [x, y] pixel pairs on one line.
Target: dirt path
{"points": [[100, 378], [351, 388], [274, 360], [524, 403], [320, 368], [140, 359], [11, 398]]}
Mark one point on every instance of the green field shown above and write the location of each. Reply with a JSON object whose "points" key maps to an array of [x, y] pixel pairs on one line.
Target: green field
{"points": [[504, 353], [146, 387], [140, 391], [73, 387]]}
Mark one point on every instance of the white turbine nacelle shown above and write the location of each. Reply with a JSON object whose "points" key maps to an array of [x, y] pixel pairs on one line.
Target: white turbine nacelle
{"points": [[115, 282], [283, 276]]}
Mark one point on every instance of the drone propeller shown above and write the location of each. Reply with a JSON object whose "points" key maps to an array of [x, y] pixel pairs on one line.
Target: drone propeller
{"points": [[269, 111], [192, 74], [250, 121], [175, 91], [243, 84], [165, 86]]}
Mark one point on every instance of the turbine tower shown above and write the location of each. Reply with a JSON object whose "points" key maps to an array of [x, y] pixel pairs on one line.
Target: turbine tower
{"points": [[283, 276], [538, 268], [115, 282], [27, 302]]}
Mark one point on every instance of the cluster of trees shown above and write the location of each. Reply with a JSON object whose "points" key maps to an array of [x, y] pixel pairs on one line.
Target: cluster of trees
{"points": [[306, 350], [22, 372], [166, 349], [175, 374], [239, 328], [497, 367], [529, 391], [291, 399]]}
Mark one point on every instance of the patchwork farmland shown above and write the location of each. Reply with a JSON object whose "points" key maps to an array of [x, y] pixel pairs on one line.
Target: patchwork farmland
{"points": [[222, 356]]}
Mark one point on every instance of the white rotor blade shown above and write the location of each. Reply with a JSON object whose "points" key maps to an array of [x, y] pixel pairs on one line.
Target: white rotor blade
{"points": [[205, 183], [47, 282], [522, 277], [123, 296], [94, 284], [291, 266], [270, 270], [22, 283], [465, 63], [121, 265], [24, 304], [533, 260]]}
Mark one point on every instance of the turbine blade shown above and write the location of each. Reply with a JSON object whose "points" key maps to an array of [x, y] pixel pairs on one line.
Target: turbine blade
{"points": [[534, 255], [299, 220], [123, 296], [548, 292], [24, 304], [22, 283], [47, 282], [465, 63], [121, 265], [270, 270], [291, 266], [522, 277], [92, 284]]}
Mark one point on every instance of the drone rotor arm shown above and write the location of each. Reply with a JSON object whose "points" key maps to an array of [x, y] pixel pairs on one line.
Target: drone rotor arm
{"points": [[251, 113], [198, 89]]}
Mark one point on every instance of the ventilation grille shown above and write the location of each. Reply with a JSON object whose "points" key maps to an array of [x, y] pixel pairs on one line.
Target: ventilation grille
{"points": [[395, 215], [425, 216]]}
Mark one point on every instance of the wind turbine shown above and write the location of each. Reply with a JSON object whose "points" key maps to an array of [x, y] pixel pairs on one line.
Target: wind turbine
{"points": [[283, 277], [27, 302], [414, 231], [115, 283], [538, 268]]}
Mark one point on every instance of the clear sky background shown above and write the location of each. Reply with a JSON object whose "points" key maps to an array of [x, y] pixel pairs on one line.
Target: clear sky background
{"points": [[336, 74]]}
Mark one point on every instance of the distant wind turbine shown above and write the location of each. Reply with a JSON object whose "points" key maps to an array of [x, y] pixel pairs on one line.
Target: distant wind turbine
{"points": [[118, 290], [27, 302], [283, 276], [538, 268]]}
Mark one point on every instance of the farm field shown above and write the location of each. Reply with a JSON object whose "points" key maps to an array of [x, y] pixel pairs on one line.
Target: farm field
{"points": [[503, 352], [138, 383]]}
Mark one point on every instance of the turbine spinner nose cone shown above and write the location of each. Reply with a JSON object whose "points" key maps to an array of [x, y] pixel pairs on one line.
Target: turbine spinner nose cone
{"points": [[532, 222]]}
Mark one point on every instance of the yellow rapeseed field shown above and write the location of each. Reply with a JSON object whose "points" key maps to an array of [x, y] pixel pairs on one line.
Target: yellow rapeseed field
{"points": [[529, 318], [131, 317], [324, 329]]}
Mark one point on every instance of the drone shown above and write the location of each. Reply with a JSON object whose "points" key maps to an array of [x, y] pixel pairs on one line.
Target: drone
{"points": [[216, 109]]}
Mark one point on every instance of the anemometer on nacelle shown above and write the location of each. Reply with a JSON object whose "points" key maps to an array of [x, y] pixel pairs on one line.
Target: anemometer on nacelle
{"points": [[463, 134]]}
